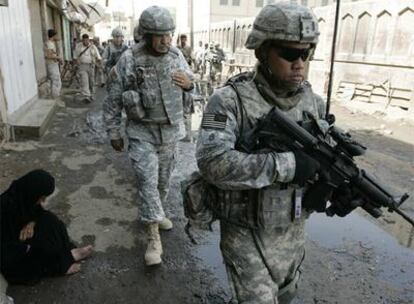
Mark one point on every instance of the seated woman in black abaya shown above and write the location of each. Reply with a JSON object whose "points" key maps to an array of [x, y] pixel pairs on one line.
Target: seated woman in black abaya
{"points": [[34, 242]]}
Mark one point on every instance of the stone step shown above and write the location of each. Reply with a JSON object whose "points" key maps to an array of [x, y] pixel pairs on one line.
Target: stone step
{"points": [[32, 120]]}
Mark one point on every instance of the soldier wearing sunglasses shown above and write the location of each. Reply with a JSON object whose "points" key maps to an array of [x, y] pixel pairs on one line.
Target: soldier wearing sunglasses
{"points": [[259, 195]]}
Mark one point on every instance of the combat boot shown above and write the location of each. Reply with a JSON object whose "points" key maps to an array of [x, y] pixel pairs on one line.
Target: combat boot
{"points": [[154, 246], [165, 224]]}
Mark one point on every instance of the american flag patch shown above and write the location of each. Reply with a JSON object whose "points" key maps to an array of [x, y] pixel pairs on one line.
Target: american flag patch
{"points": [[214, 121]]}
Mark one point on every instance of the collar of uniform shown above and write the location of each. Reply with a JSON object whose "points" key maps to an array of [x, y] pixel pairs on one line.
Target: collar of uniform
{"points": [[282, 98]]}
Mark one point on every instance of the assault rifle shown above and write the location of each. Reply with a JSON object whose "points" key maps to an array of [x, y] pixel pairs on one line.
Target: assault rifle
{"points": [[338, 170]]}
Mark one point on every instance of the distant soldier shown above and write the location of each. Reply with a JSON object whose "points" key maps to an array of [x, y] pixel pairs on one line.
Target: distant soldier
{"points": [[52, 63], [214, 65], [99, 73], [186, 49], [203, 60], [114, 50], [221, 58], [86, 55]]}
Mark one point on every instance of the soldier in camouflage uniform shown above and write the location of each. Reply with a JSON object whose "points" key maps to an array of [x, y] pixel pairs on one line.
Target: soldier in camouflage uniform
{"points": [[262, 243], [114, 50], [149, 82], [214, 60]]}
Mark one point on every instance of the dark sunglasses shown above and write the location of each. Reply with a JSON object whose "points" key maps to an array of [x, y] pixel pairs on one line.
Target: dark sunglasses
{"points": [[292, 54]]}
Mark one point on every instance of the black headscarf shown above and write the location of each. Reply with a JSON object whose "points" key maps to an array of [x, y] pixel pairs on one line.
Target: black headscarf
{"points": [[18, 203]]}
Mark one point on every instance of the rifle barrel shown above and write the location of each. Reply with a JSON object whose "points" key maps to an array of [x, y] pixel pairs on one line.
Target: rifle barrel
{"points": [[405, 216]]}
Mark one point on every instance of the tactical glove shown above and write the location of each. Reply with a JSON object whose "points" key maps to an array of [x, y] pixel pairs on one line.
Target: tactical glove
{"points": [[306, 168], [343, 202]]}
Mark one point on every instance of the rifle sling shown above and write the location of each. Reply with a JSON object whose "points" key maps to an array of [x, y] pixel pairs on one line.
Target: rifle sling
{"points": [[83, 52]]}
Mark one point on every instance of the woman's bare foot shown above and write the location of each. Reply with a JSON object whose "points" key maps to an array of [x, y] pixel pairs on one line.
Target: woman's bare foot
{"points": [[82, 253], [74, 268]]}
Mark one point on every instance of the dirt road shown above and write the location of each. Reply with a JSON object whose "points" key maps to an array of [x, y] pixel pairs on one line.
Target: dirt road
{"points": [[351, 260]]}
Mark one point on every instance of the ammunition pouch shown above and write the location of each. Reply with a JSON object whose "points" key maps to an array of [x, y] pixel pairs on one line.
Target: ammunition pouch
{"points": [[132, 105], [197, 197], [147, 80], [267, 208], [276, 206]]}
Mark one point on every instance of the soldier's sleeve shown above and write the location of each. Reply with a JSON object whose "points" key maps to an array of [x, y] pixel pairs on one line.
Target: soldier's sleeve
{"points": [[222, 165], [112, 105]]}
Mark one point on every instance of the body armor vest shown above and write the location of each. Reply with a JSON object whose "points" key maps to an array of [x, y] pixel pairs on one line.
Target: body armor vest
{"points": [[271, 206], [161, 99], [114, 55]]}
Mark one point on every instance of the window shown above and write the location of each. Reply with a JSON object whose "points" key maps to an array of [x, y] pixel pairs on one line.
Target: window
{"points": [[324, 2], [4, 2], [236, 2], [224, 2], [270, 1], [305, 2], [259, 3]]}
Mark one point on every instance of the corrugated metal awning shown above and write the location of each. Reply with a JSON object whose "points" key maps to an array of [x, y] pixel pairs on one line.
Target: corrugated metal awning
{"points": [[88, 13], [95, 13]]}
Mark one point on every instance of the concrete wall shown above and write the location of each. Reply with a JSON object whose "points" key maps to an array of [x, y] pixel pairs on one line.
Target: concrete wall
{"points": [[374, 46], [224, 12], [16, 55], [4, 128]]}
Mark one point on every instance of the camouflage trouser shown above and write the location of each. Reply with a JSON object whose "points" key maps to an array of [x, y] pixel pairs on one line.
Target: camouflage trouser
{"points": [[87, 77], [153, 166], [258, 263], [53, 74]]}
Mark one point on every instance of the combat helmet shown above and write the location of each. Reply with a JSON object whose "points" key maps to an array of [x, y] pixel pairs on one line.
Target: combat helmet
{"points": [[156, 20], [137, 35], [117, 32], [283, 21]]}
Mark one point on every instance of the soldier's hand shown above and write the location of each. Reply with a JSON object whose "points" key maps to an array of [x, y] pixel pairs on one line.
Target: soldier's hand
{"points": [[117, 144], [343, 202], [306, 168], [182, 80]]}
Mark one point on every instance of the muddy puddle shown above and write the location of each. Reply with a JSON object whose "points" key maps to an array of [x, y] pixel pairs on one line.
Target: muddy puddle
{"points": [[392, 255]]}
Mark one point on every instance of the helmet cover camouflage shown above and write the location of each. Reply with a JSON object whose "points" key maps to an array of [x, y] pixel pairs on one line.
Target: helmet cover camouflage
{"points": [[283, 21], [156, 20], [117, 32]]}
